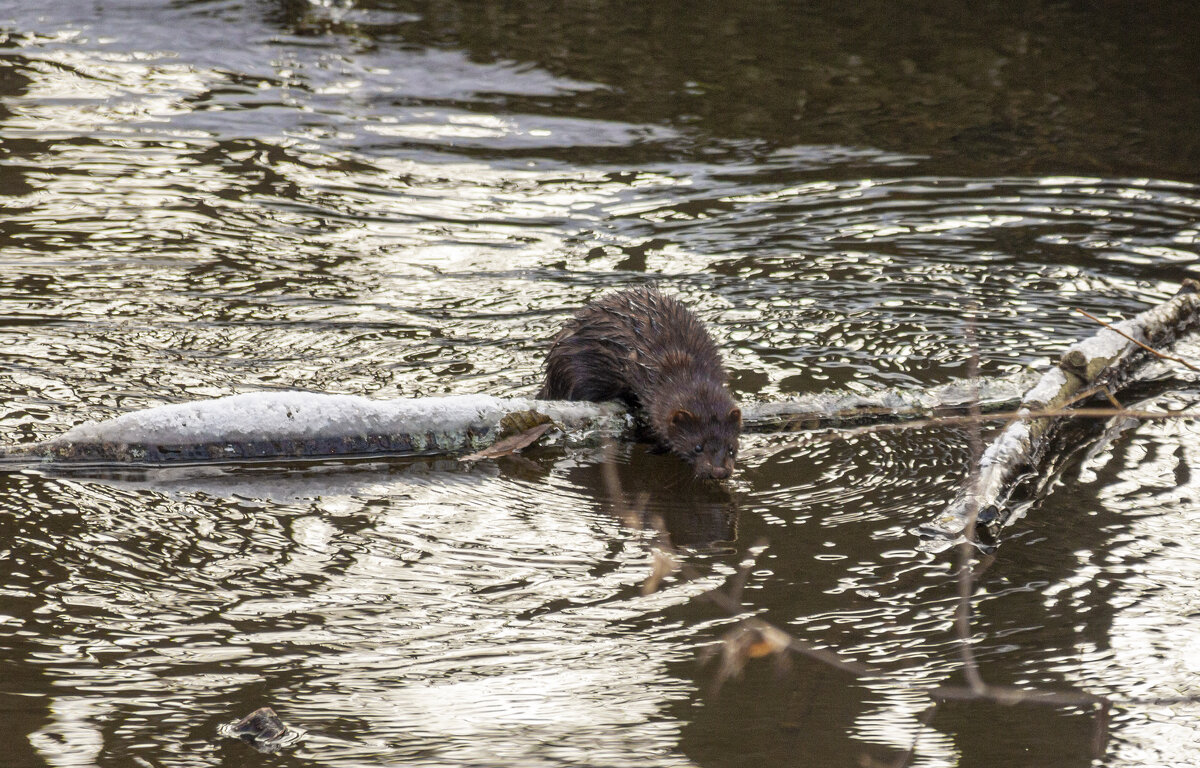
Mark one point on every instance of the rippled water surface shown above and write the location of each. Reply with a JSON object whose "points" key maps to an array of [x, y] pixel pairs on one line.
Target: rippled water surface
{"points": [[408, 198]]}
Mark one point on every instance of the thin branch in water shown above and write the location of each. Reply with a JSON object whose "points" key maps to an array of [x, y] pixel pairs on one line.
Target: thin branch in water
{"points": [[1100, 734], [1009, 696], [966, 580], [1147, 347], [968, 419]]}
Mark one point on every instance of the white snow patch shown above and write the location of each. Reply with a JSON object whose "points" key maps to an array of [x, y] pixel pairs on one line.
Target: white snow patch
{"points": [[1046, 389], [1108, 344], [308, 415]]}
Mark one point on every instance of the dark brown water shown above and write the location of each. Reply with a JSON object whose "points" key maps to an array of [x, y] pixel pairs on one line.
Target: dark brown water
{"points": [[407, 198]]}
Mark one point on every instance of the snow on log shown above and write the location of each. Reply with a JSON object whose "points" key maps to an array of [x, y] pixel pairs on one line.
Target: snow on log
{"points": [[275, 425], [1108, 359], [282, 425], [825, 410]]}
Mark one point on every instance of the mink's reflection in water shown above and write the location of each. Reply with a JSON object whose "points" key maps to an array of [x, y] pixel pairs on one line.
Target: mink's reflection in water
{"points": [[647, 489]]}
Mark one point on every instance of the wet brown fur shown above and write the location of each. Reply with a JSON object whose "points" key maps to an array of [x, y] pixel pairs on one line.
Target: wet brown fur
{"points": [[651, 352]]}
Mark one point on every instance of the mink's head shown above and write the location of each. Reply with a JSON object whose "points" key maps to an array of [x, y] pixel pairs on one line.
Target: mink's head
{"points": [[706, 436]]}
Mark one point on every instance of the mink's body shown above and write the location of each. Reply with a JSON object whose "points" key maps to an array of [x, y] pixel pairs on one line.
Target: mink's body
{"points": [[651, 352]]}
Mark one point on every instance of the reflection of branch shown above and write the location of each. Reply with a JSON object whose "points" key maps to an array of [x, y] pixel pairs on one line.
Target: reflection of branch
{"points": [[977, 688], [966, 579], [753, 638]]}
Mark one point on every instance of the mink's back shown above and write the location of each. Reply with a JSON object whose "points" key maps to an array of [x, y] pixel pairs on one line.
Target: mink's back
{"points": [[628, 346]]}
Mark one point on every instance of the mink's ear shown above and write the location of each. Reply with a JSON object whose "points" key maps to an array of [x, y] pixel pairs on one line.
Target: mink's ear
{"points": [[680, 417], [735, 416]]}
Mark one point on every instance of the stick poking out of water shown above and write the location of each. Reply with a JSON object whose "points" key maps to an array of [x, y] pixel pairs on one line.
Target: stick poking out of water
{"points": [[1106, 361]]}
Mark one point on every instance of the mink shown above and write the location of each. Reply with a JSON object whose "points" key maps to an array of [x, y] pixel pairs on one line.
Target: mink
{"points": [[651, 352]]}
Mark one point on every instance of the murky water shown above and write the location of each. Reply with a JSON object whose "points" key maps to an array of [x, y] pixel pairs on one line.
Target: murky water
{"points": [[407, 198]]}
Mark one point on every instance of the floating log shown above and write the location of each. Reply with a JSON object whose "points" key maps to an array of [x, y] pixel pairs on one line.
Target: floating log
{"points": [[290, 425], [1107, 359], [304, 425]]}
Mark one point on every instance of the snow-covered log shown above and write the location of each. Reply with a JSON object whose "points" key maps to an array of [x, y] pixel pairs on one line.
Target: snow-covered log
{"points": [[829, 410], [1106, 359], [282, 425]]}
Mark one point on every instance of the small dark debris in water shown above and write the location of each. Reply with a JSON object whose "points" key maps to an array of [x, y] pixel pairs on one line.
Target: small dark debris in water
{"points": [[262, 723], [263, 730]]}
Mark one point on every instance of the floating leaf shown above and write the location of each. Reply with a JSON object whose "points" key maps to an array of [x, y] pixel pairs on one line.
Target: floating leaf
{"points": [[510, 444]]}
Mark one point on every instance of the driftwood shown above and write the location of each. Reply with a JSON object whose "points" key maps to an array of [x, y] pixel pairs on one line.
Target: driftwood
{"points": [[299, 425], [1104, 362], [840, 410]]}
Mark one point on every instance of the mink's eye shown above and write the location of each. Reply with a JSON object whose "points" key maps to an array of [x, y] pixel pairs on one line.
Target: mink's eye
{"points": [[732, 452], [698, 449]]}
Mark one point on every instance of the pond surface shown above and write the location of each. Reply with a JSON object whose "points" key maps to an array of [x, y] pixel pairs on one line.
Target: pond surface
{"points": [[204, 197]]}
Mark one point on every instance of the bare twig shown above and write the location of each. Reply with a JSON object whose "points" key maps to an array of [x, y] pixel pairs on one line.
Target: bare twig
{"points": [[1147, 347], [980, 418], [1085, 394], [510, 444], [966, 580]]}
